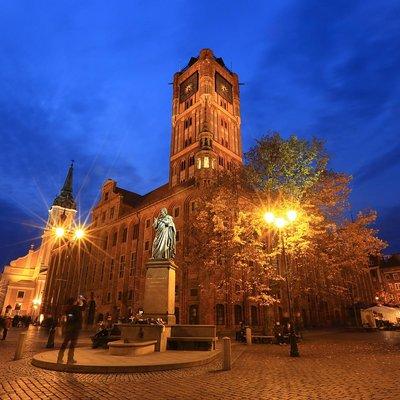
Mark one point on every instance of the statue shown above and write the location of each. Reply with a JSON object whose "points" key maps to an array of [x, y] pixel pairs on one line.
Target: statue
{"points": [[165, 239]]}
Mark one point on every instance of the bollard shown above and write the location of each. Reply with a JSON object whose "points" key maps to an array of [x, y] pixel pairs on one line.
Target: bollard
{"points": [[20, 346], [248, 335], [50, 340], [227, 354]]}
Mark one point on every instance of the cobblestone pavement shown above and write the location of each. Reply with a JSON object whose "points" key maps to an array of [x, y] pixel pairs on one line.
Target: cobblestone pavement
{"points": [[332, 366]]}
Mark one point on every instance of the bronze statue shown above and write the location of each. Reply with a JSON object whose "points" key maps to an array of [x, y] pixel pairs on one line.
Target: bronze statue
{"points": [[165, 239]]}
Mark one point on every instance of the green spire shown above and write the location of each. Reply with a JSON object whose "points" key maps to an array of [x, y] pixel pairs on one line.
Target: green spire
{"points": [[65, 198]]}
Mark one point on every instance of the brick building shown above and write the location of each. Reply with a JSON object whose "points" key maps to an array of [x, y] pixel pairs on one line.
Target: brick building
{"points": [[206, 137]]}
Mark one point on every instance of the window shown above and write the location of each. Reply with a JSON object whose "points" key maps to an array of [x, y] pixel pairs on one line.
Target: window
{"points": [[188, 103], [108, 297], [221, 161], [397, 286], [146, 245], [130, 294], [176, 212], [124, 235], [194, 292], [106, 194], [191, 161], [238, 314], [135, 231], [220, 314], [20, 294], [18, 306], [121, 266], [192, 206], [111, 269], [183, 165], [254, 315], [112, 209], [187, 122], [105, 243], [206, 162], [119, 295], [133, 264], [115, 236], [102, 271], [199, 163], [147, 223]]}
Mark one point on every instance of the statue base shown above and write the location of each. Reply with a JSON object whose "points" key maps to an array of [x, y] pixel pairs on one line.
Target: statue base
{"points": [[159, 292]]}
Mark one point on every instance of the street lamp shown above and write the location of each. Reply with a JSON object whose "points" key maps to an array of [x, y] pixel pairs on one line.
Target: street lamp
{"points": [[280, 222], [77, 234]]}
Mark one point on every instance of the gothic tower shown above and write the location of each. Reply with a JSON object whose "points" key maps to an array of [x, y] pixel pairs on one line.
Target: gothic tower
{"points": [[205, 120], [61, 215]]}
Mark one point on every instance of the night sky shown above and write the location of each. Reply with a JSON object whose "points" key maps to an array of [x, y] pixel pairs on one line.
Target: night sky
{"points": [[89, 81]]}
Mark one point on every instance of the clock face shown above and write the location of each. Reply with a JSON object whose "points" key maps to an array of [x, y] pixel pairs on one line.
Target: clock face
{"points": [[188, 87], [223, 87]]}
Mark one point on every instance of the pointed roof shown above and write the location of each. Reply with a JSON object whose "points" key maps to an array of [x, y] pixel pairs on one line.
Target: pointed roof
{"points": [[65, 198]]}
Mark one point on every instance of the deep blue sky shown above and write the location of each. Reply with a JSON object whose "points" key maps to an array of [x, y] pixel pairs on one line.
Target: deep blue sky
{"points": [[88, 80]]}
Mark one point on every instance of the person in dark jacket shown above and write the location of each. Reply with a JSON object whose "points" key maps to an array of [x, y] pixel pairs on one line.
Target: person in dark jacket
{"points": [[6, 326], [73, 326]]}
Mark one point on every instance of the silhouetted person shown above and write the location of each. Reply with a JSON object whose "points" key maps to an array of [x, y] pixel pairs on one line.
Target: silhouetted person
{"points": [[73, 326], [6, 326]]}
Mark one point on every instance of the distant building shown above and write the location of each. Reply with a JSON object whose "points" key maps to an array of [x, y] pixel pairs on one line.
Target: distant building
{"points": [[22, 281], [385, 274]]}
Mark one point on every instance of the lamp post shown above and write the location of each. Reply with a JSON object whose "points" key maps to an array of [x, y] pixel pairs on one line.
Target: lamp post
{"points": [[280, 223], [60, 233]]}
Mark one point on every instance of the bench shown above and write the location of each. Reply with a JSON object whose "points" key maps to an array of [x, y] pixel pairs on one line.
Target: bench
{"points": [[192, 337], [262, 339], [122, 348]]}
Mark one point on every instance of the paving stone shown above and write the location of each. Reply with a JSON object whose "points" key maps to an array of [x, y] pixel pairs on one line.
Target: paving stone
{"points": [[333, 365]]}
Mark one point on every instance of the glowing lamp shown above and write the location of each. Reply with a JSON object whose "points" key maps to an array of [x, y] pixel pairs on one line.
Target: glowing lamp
{"points": [[79, 233], [269, 217], [280, 222], [60, 232], [292, 215]]}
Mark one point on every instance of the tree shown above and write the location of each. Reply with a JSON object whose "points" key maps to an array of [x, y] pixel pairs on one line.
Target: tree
{"points": [[226, 244], [327, 251]]}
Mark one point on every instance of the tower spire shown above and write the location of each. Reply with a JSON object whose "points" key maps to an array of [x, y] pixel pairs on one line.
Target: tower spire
{"points": [[65, 198]]}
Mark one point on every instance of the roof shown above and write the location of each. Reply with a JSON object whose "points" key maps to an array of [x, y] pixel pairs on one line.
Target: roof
{"points": [[136, 200], [205, 53]]}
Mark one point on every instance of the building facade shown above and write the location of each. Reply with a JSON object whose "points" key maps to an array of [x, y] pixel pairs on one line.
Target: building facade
{"points": [[22, 281], [109, 267]]}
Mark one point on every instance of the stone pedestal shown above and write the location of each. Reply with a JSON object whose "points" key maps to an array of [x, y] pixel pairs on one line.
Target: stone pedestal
{"points": [[159, 292]]}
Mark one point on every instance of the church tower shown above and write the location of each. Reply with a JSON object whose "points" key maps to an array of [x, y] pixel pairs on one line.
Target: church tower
{"points": [[205, 120], [61, 215]]}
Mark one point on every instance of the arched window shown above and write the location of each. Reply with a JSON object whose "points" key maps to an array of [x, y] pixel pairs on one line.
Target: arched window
{"points": [[254, 315], [194, 314], [238, 314], [220, 314]]}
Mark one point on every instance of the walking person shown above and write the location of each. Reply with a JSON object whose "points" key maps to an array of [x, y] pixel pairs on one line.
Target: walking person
{"points": [[6, 326], [73, 326]]}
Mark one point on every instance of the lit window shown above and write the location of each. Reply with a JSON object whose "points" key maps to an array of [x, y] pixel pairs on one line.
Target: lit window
{"points": [[206, 162], [199, 163]]}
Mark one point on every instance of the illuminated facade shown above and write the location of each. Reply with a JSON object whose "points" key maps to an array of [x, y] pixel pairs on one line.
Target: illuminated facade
{"points": [[22, 281], [205, 138], [110, 272]]}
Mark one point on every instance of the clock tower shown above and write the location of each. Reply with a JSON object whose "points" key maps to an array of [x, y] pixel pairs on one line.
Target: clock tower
{"points": [[205, 120]]}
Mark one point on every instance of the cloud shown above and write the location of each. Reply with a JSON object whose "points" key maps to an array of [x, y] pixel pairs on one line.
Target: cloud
{"points": [[379, 166]]}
